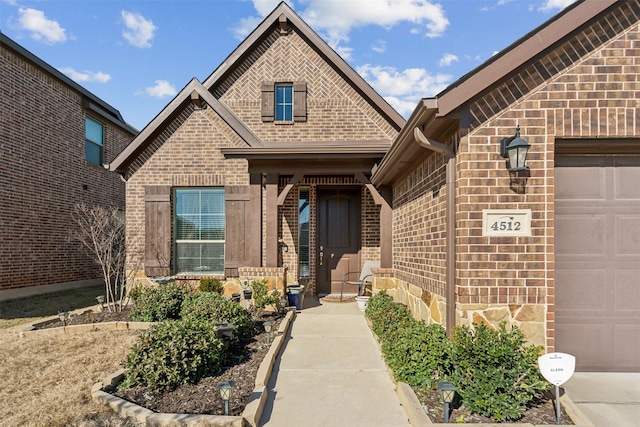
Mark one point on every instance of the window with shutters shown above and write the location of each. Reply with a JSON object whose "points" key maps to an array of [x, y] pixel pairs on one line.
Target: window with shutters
{"points": [[200, 230], [284, 102]]}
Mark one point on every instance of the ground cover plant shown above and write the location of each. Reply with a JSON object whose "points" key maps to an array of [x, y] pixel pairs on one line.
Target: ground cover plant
{"points": [[494, 370]]}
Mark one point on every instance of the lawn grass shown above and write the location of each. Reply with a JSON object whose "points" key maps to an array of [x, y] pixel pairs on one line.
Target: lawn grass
{"points": [[47, 379]]}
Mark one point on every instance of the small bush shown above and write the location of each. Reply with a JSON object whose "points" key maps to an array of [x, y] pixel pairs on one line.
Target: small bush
{"points": [[158, 304], [213, 307], [173, 353], [495, 372], [211, 284], [261, 297]]}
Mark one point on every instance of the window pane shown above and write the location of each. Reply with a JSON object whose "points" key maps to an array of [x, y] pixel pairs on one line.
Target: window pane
{"points": [[200, 258], [303, 236], [93, 130], [93, 152], [284, 102]]}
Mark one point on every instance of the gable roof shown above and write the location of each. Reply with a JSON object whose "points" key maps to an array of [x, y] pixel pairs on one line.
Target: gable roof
{"points": [[187, 95], [283, 15], [435, 116], [91, 101]]}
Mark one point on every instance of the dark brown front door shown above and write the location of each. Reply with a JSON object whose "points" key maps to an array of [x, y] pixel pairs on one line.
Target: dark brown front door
{"points": [[338, 240]]}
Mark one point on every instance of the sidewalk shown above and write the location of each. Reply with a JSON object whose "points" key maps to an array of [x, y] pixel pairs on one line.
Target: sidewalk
{"points": [[330, 373]]}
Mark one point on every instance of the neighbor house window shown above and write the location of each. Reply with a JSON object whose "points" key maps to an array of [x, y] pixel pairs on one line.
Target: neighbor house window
{"points": [[199, 230], [284, 103], [304, 271], [93, 141]]}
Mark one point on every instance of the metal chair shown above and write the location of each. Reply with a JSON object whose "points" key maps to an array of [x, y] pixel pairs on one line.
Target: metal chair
{"points": [[364, 278]]}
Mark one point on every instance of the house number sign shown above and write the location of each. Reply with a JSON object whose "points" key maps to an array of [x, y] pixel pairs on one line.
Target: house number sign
{"points": [[506, 223]]}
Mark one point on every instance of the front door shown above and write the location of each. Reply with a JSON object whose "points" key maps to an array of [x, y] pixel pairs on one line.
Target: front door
{"points": [[338, 237]]}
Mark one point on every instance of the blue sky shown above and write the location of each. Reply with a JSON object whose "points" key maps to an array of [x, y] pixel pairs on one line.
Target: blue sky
{"points": [[137, 54]]}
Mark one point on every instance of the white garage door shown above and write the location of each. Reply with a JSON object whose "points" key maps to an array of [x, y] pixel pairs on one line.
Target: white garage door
{"points": [[597, 244]]}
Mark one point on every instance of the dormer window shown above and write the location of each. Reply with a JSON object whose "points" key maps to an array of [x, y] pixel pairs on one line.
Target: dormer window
{"points": [[284, 102]]}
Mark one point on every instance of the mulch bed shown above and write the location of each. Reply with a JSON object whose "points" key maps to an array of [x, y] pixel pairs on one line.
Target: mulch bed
{"points": [[541, 414], [89, 316]]}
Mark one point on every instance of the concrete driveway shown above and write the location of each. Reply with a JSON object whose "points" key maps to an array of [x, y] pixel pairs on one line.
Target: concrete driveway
{"points": [[607, 399]]}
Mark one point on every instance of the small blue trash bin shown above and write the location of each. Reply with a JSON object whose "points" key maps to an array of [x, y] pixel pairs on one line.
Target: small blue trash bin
{"points": [[295, 296]]}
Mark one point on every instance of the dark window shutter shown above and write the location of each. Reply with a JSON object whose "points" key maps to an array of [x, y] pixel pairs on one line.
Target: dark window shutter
{"points": [[243, 239], [157, 234], [300, 101], [268, 101]]}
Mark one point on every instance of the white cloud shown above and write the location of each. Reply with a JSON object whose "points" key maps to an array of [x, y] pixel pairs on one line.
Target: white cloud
{"points": [[245, 26], [139, 31], [448, 59], [41, 27], [380, 46], [336, 18], [550, 5], [86, 76], [403, 89], [161, 89]]}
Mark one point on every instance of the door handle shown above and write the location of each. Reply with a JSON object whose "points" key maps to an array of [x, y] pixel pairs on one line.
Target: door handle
{"points": [[321, 256]]}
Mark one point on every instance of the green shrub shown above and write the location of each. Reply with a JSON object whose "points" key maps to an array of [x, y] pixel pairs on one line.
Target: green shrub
{"points": [[261, 297], [213, 307], [158, 304], [211, 284], [173, 353], [496, 374]]}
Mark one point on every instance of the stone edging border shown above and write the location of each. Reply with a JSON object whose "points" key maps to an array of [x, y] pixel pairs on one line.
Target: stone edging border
{"points": [[418, 417], [250, 415]]}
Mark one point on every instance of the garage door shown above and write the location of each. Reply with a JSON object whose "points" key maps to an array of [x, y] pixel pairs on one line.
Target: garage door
{"points": [[597, 243]]}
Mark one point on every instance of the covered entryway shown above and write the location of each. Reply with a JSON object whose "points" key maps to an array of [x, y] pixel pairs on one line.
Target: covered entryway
{"points": [[339, 236], [597, 273]]}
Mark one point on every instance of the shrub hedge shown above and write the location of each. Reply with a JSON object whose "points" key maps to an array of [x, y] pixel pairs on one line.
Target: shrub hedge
{"points": [[158, 304], [495, 372], [213, 307]]}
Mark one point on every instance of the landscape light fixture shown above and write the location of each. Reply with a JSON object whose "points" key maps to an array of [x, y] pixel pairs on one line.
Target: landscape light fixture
{"points": [[516, 150], [225, 388], [447, 392], [100, 299], [64, 317], [268, 325]]}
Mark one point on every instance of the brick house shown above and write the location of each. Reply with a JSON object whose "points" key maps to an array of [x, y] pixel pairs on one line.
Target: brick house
{"points": [[555, 248], [54, 138], [285, 164], [262, 169]]}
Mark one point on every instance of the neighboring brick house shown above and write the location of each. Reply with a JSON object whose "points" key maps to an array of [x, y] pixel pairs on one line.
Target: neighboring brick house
{"points": [[570, 280], [54, 138], [263, 169]]}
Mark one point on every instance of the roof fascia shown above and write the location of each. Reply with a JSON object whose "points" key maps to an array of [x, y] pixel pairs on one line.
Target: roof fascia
{"points": [[519, 53], [388, 169], [98, 105], [322, 47], [126, 156]]}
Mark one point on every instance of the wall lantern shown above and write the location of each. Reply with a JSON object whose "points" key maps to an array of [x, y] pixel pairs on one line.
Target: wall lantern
{"points": [[516, 149], [225, 389], [447, 392]]}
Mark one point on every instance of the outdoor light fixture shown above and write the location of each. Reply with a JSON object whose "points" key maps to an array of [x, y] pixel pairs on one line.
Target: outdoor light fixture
{"points": [[64, 317], [448, 392], [100, 299], [516, 149], [267, 328], [225, 388]]}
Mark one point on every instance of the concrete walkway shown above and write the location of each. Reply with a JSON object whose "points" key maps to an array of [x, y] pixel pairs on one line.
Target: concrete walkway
{"points": [[330, 373], [607, 399]]}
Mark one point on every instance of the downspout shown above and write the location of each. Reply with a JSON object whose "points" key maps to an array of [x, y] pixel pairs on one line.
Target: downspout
{"points": [[450, 224]]}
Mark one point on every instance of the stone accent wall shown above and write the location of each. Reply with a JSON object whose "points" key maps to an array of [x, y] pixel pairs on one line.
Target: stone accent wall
{"points": [[44, 174], [586, 88]]}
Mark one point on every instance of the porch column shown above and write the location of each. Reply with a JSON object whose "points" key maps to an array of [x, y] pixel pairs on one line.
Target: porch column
{"points": [[271, 229]]}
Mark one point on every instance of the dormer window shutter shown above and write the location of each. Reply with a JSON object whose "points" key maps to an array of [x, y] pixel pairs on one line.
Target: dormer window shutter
{"points": [[268, 101], [299, 101]]}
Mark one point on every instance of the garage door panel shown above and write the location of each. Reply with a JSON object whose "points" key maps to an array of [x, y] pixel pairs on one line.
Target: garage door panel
{"points": [[574, 336], [627, 356], [627, 177], [627, 290], [627, 235], [581, 183], [580, 235], [576, 290]]}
